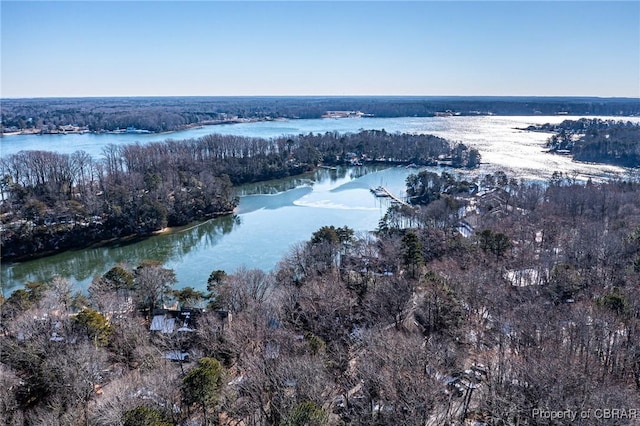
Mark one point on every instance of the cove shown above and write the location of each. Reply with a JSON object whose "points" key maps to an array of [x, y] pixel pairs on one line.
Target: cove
{"points": [[271, 217]]}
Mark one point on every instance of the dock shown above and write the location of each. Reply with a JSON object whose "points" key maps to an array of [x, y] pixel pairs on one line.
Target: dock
{"points": [[381, 191]]}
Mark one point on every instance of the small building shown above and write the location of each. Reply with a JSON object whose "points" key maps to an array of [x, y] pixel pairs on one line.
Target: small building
{"points": [[168, 321]]}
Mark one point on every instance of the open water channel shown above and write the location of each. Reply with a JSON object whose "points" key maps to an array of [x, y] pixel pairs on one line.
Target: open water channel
{"points": [[272, 217]]}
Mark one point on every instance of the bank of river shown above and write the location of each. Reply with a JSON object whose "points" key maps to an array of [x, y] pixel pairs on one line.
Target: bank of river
{"points": [[261, 232], [271, 217]]}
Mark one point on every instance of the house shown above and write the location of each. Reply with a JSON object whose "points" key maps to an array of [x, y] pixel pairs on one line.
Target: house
{"points": [[168, 321]]}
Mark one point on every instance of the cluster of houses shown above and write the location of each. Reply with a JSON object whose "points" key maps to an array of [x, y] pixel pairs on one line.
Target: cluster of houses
{"points": [[491, 203], [344, 114], [49, 130]]}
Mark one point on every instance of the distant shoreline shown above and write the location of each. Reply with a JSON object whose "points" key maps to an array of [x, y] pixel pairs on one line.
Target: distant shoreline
{"points": [[157, 115], [38, 132], [203, 124]]}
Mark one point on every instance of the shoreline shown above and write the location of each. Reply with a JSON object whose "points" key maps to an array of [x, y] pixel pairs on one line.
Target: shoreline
{"points": [[117, 240], [174, 229], [30, 132]]}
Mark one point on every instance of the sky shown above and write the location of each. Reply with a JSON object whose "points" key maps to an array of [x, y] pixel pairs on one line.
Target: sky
{"points": [[264, 48]]}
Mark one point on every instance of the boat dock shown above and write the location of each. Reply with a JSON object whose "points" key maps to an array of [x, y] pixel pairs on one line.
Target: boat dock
{"points": [[381, 191]]}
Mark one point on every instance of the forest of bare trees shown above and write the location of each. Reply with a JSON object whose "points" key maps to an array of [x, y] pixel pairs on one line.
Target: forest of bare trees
{"points": [[508, 303], [159, 114], [53, 201], [597, 141]]}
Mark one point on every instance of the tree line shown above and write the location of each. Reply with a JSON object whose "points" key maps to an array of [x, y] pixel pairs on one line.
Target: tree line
{"points": [[417, 323], [158, 114], [53, 201], [595, 140]]}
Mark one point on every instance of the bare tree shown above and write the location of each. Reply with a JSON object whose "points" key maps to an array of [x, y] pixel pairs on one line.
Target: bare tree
{"points": [[152, 284]]}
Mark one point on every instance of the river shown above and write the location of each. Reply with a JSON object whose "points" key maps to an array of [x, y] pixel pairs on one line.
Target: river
{"points": [[272, 217]]}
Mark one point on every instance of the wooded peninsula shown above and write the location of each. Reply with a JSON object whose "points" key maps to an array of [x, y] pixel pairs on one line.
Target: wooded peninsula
{"points": [[595, 140], [59, 201]]}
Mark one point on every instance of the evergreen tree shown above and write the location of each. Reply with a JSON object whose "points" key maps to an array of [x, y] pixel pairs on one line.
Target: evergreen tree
{"points": [[201, 386], [412, 253]]}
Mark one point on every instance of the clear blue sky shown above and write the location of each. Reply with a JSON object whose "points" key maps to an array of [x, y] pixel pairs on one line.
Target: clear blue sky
{"points": [[118, 48]]}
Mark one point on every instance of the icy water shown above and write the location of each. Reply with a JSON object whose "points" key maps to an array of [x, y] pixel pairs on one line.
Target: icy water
{"points": [[272, 217], [500, 143]]}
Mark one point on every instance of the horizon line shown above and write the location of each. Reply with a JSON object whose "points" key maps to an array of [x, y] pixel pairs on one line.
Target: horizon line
{"points": [[322, 96]]}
